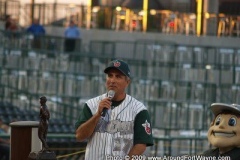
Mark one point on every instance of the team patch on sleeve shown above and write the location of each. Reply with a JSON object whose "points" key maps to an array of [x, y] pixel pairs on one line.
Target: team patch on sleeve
{"points": [[147, 127]]}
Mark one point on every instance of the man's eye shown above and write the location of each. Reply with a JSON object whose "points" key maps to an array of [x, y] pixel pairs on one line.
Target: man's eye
{"points": [[232, 121], [218, 121]]}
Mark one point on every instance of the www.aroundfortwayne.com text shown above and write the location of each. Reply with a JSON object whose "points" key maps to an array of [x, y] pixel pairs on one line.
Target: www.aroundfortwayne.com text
{"points": [[189, 158]]}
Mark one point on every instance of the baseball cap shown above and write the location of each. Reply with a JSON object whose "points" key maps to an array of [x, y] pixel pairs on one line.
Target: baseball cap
{"points": [[220, 107], [119, 65]]}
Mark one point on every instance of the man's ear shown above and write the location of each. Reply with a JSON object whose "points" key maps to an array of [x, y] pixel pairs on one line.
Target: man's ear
{"points": [[128, 80]]}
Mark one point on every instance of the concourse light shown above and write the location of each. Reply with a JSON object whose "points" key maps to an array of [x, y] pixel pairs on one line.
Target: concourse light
{"points": [[118, 8], [95, 9], [141, 13], [153, 12], [207, 15]]}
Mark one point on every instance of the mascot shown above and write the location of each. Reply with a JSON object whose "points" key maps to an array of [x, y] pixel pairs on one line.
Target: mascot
{"points": [[224, 132]]}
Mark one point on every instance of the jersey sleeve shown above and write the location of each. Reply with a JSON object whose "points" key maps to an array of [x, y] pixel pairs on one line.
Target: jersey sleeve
{"points": [[142, 129], [84, 116]]}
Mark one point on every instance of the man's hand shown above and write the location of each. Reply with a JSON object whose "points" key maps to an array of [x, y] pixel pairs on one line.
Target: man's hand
{"points": [[105, 103]]}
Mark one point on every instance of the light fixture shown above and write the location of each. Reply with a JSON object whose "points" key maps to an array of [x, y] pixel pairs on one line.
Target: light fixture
{"points": [[141, 13], [95, 9], [153, 12], [207, 15], [118, 8]]}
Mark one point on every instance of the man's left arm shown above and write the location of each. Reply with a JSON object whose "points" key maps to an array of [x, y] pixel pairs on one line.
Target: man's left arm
{"points": [[142, 133], [137, 149]]}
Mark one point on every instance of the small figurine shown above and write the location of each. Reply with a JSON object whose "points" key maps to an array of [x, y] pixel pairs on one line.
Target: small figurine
{"points": [[45, 153], [43, 123], [224, 132]]}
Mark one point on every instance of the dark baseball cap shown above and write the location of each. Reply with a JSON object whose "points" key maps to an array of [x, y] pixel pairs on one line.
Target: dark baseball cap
{"points": [[218, 108], [119, 65]]}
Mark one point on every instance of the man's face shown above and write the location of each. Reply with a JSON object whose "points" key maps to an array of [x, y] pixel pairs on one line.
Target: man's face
{"points": [[116, 81], [35, 21], [225, 131]]}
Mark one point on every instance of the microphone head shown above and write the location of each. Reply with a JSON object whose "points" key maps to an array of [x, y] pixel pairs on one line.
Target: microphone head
{"points": [[111, 93]]}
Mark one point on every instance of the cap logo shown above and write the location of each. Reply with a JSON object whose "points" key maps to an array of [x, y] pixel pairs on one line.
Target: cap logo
{"points": [[116, 64]]}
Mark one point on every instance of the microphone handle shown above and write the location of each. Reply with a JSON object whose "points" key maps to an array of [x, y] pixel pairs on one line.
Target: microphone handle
{"points": [[104, 112], [110, 95]]}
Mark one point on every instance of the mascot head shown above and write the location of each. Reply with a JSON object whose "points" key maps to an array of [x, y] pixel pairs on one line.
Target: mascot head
{"points": [[224, 132]]}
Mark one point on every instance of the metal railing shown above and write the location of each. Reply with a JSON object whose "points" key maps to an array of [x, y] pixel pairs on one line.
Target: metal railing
{"points": [[9, 7]]}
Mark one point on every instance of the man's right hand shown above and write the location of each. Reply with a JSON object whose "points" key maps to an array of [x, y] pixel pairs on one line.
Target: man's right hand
{"points": [[105, 103]]}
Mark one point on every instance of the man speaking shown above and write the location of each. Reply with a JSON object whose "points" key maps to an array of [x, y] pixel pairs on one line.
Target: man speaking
{"points": [[117, 125]]}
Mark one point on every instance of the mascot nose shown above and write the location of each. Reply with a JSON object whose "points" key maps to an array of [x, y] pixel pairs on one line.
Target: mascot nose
{"points": [[222, 124]]}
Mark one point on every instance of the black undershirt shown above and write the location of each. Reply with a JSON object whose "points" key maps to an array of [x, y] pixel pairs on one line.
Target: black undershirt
{"points": [[116, 103]]}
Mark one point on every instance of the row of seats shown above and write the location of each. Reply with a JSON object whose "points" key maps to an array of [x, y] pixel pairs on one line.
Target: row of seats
{"points": [[65, 84], [217, 76], [62, 68], [10, 113], [60, 64], [143, 89], [179, 115], [61, 146], [183, 57], [166, 52]]}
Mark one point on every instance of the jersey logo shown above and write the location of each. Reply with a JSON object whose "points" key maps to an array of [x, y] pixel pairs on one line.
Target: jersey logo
{"points": [[147, 127]]}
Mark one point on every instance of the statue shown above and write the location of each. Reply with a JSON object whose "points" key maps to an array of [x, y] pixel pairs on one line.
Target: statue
{"points": [[43, 123], [44, 115]]}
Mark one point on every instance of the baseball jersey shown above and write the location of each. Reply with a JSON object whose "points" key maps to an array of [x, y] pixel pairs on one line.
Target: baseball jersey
{"points": [[122, 127]]}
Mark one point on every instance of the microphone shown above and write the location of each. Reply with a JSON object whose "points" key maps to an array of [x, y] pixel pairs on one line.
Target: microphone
{"points": [[110, 95]]}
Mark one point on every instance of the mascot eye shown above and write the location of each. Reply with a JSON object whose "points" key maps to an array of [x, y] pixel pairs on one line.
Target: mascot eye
{"points": [[232, 121], [218, 121]]}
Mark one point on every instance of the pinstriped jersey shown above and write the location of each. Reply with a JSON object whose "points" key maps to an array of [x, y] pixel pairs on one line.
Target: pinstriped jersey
{"points": [[114, 133]]}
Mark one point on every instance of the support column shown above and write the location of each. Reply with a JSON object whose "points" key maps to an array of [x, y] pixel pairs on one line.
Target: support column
{"points": [[89, 14], [210, 17], [145, 15], [199, 16]]}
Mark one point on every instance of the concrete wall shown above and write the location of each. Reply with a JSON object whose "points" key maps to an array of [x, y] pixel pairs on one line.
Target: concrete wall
{"points": [[109, 35]]}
